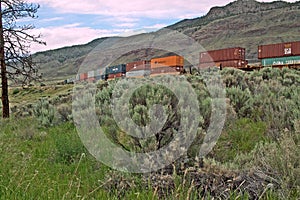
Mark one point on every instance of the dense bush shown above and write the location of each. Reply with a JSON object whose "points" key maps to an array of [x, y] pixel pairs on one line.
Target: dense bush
{"points": [[44, 112], [269, 95], [147, 101]]}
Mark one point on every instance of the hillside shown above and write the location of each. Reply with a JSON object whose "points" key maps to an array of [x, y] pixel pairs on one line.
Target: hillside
{"points": [[245, 23], [63, 62]]}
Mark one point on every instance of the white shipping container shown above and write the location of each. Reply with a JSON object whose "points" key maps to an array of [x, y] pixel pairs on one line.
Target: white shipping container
{"points": [[99, 72], [138, 73], [91, 74], [77, 78], [70, 80]]}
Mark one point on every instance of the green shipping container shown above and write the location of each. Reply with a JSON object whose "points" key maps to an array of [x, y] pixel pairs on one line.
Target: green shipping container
{"points": [[292, 60]]}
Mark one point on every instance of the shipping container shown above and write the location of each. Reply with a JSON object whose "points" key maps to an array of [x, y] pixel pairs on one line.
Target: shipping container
{"points": [[235, 53], [91, 79], [77, 77], [70, 80], [138, 65], [163, 70], [230, 63], [170, 61], [83, 76], [296, 48], [282, 61], [279, 50], [116, 69], [113, 76], [138, 73], [99, 72], [91, 74], [166, 73], [101, 77]]}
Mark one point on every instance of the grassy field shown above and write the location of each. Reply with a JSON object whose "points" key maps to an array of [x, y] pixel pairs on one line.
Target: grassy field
{"points": [[19, 95], [256, 157]]}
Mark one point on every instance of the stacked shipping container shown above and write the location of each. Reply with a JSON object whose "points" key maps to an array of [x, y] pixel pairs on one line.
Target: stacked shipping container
{"points": [[230, 57], [167, 65], [279, 50], [138, 69], [281, 61], [91, 76], [116, 69], [113, 76], [229, 63], [236, 53], [138, 65], [280, 55], [83, 76]]}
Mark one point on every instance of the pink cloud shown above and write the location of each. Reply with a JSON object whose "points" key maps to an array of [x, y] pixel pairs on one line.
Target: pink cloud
{"points": [[57, 37], [145, 8], [137, 8]]}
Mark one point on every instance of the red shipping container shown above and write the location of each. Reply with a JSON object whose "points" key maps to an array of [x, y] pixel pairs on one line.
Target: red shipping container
{"points": [[229, 63], [279, 50], [235, 53], [138, 65], [83, 76], [296, 48], [113, 76]]}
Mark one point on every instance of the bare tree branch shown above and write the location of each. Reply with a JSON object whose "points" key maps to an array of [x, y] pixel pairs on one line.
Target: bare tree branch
{"points": [[15, 58]]}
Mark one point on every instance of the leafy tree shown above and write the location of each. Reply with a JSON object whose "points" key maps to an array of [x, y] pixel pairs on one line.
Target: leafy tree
{"points": [[15, 59]]}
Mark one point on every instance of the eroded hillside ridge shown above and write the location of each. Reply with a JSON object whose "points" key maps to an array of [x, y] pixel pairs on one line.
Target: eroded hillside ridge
{"points": [[235, 8]]}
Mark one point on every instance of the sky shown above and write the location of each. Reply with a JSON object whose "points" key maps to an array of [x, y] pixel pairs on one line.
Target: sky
{"points": [[71, 22]]}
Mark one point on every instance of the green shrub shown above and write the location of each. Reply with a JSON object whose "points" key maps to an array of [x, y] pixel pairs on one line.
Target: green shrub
{"points": [[241, 100], [65, 112], [44, 112]]}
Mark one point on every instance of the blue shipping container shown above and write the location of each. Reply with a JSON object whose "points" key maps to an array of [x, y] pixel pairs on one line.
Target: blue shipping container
{"points": [[116, 69]]}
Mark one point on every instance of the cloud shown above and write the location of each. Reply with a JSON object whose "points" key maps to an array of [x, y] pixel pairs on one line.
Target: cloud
{"points": [[138, 8], [52, 19], [125, 19], [134, 8], [68, 35], [128, 25], [118, 9]]}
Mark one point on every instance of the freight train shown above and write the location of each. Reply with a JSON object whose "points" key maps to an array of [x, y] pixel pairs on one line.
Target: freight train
{"points": [[271, 55], [156, 66]]}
